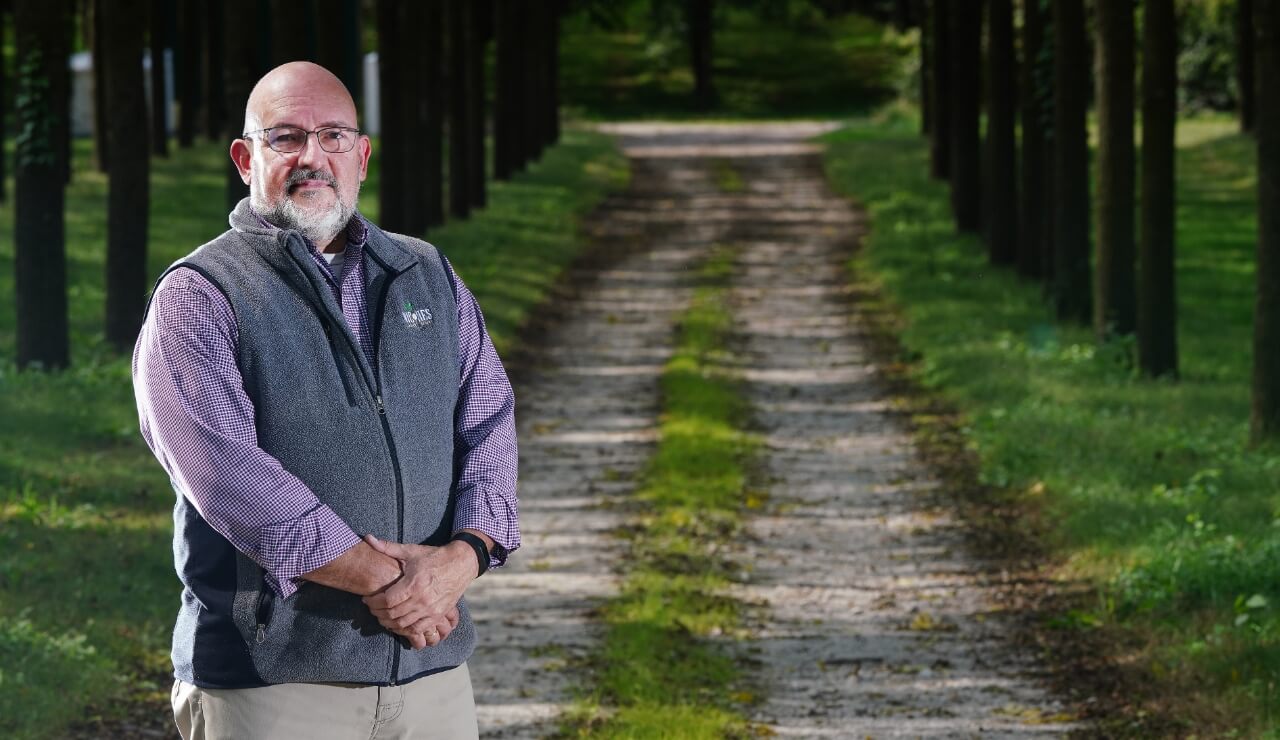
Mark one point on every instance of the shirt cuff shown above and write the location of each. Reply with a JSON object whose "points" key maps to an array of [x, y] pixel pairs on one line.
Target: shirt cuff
{"points": [[296, 547], [478, 513]]}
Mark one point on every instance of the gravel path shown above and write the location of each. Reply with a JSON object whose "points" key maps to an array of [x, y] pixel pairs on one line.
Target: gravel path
{"points": [[874, 620]]}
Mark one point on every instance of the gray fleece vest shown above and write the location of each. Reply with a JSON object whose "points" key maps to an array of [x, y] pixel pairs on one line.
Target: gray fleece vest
{"points": [[373, 441]]}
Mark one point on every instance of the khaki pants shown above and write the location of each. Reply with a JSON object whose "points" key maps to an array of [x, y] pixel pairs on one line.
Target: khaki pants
{"points": [[436, 706]]}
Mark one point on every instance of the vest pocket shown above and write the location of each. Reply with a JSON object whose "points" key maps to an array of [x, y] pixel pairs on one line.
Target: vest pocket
{"points": [[266, 601]]}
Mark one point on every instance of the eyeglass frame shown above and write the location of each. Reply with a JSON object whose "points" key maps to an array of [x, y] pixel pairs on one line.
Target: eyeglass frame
{"points": [[267, 139]]}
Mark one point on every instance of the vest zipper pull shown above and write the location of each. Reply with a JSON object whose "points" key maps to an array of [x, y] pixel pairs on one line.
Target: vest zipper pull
{"points": [[381, 409], [262, 633]]}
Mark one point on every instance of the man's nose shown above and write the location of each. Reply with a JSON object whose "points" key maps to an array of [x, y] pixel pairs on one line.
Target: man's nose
{"points": [[311, 151]]}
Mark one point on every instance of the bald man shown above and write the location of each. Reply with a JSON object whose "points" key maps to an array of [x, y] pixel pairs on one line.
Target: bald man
{"points": [[339, 432]]}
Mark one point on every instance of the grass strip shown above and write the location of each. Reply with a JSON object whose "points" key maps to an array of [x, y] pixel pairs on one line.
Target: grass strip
{"points": [[1146, 491], [661, 673], [87, 589]]}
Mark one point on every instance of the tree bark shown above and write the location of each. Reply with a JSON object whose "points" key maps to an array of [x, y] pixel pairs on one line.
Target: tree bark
{"points": [[188, 55], [293, 31], [701, 15], [552, 108], [432, 96], [1000, 194], [1072, 294], [1245, 63], [461, 128], [1032, 109], [1115, 303], [215, 104], [95, 9], [41, 31], [482, 22], [1157, 306], [338, 41], [926, 69], [965, 23], [508, 115], [391, 158], [128, 196], [159, 36], [242, 73], [940, 142], [1264, 414]]}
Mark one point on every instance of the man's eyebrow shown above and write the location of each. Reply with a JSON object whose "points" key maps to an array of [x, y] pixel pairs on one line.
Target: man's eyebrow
{"points": [[335, 124]]}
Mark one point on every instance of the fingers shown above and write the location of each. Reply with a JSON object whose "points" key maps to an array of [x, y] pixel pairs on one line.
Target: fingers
{"points": [[391, 549]]}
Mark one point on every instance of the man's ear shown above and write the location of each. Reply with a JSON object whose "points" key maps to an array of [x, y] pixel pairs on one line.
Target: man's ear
{"points": [[366, 148], [242, 157]]}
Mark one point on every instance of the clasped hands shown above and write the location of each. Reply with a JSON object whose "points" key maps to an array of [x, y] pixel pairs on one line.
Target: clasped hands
{"points": [[422, 605]]}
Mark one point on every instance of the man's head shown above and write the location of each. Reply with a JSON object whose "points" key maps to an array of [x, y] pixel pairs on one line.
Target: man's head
{"points": [[312, 190]]}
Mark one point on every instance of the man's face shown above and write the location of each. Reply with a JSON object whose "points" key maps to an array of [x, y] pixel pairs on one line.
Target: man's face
{"points": [[311, 190]]}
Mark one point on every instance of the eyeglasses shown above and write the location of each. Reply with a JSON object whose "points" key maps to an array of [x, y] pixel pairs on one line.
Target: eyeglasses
{"points": [[290, 139]]}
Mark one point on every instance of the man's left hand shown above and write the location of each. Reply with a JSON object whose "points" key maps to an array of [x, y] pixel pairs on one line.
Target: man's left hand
{"points": [[430, 589]]}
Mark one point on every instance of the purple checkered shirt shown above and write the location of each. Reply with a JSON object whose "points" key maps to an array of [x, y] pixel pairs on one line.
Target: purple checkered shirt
{"points": [[197, 419]]}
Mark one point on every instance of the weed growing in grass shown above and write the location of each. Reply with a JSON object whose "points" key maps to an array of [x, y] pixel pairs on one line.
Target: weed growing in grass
{"points": [[1147, 488], [660, 672]]}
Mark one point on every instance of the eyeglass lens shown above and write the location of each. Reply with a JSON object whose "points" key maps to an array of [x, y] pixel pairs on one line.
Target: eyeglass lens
{"points": [[286, 139]]}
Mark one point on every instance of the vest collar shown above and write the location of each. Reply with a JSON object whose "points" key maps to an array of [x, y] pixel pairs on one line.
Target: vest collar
{"points": [[382, 247]]}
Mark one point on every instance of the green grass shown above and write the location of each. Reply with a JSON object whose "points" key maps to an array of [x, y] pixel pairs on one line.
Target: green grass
{"points": [[1148, 488], [87, 590], [661, 672], [762, 68]]}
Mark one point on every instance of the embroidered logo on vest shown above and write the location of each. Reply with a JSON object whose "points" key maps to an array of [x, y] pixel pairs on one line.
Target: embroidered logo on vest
{"points": [[419, 319]]}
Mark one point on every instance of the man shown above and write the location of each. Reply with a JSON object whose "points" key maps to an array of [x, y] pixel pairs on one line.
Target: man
{"points": [[319, 392]]}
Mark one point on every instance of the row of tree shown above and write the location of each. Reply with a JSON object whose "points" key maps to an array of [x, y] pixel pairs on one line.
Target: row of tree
{"points": [[1028, 196], [432, 92]]}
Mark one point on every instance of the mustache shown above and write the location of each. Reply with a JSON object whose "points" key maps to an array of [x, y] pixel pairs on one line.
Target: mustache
{"points": [[298, 176]]}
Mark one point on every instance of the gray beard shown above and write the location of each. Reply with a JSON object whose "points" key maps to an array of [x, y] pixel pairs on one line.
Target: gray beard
{"points": [[319, 228]]}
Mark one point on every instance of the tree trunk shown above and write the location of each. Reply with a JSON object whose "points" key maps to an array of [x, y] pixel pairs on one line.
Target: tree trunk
{"points": [[128, 197], [188, 55], [1073, 297], [242, 73], [338, 41], [4, 108], [96, 10], [414, 147], [391, 159], [482, 22], [508, 115], [1157, 306], [432, 96], [1244, 63], [215, 103], [293, 31], [535, 85], [1114, 305], [159, 36], [1000, 196], [41, 31], [461, 38], [552, 107], [1033, 92], [940, 143], [965, 23], [1264, 415], [926, 69], [701, 14]]}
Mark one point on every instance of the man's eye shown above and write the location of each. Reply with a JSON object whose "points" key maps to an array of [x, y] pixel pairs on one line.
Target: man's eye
{"points": [[287, 137], [334, 134]]}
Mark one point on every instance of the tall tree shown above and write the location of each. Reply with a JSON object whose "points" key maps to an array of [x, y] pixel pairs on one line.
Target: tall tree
{"points": [[482, 20], [550, 65], [508, 103], [422, 183], [390, 67], [1072, 295], [293, 31], [4, 85], [940, 92], [1245, 63], [926, 68], [159, 19], [215, 95], [1000, 192], [1264, 415], [95, 10], [128, 171], [1115, 301], [338, 41], [965, 44], [701, 27], [189, 56], [1157, 307], [1034, 90], [41, 30], [242, 71], [461, 85]]}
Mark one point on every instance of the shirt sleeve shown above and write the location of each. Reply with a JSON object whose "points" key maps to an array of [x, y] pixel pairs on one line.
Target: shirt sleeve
{"points": [[484, 434], [199, 422]]}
